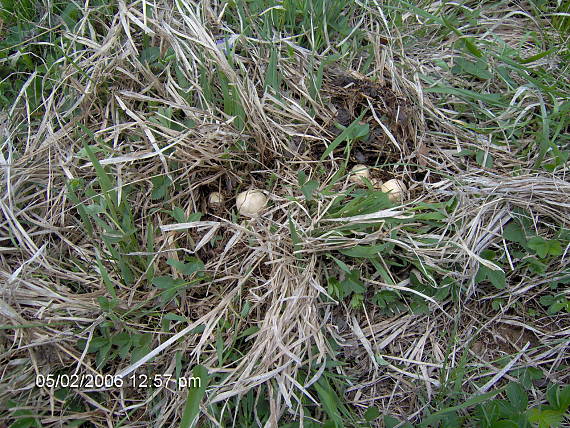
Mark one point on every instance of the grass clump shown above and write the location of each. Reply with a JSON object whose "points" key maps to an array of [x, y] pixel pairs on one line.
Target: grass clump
{"points": [[335, 306]]}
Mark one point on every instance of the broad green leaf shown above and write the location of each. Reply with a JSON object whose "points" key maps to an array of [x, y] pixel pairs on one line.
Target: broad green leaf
{"points": [[126, 272], [359, 130], [160, 187], [194, 217], [545, 418], [105, 304], [380, 360], [517, 396], [371, 413], [527, 376], [272, 75], [384, 298], [26, 422], [219, 347], [472, 47], [334, 288], [564, 398], [430, 216], [97, 343], [330, 402], [125, 349], [356, 301], [194, 264], [141, 346], [478, 69], [419, 306], [451, 420], [81, 209], [545, 247], [558, 398], [104, 179], [535, 265], [391, 422], [381, 270], [309, 188], [150, 55], [175, 317], [513, 232], [496, 277], [248, 332], [352, 284], [121, 338], [178, 214], [107, 184], [245, 309], [505, 75], [103, 355], [167, 282]]}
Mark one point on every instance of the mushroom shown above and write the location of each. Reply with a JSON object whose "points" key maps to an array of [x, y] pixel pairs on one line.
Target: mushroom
{"points": [[251, 202], [395, 188], [215, 199], [358, 173]]}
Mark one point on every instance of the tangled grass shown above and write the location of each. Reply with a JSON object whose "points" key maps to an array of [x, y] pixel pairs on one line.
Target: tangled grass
{"points": [[333, 301]]}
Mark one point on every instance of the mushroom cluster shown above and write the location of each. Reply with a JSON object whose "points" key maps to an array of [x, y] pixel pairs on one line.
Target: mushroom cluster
{"points": [[251, 202], [395, 188]]}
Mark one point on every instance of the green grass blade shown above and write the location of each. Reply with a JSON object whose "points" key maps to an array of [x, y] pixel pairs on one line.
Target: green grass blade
{"points": [[195, 395]]}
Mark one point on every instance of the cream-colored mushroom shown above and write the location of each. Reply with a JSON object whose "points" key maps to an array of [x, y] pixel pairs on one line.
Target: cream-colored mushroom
{"points": [[395, 188], [251, 202], [358, 173], [215, 199]]}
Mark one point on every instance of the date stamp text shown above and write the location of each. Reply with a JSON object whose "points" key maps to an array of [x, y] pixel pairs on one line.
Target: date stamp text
{"points": [[80, 381]]}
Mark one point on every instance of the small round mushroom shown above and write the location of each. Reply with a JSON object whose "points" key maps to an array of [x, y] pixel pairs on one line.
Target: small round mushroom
{"points": [[395, 188], [251, 202], [216, 199], [358, 173]]}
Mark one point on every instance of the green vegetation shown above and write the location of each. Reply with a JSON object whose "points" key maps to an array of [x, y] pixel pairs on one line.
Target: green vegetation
{"points": [[336, 307]]}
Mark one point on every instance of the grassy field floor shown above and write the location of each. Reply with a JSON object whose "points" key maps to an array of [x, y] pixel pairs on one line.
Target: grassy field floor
{"points": [[134, 290]]}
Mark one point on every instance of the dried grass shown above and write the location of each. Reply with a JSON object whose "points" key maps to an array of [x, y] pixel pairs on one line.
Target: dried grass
{"points": [[44, 246]]}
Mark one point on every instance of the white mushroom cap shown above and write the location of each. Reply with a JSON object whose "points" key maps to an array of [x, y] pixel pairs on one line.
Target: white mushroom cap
{"points": [[215, 199], [358, 173], [395, 188], [250, 202]]}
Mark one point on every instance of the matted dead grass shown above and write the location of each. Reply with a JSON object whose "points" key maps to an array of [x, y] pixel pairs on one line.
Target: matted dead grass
{"points": [[48, 263]]}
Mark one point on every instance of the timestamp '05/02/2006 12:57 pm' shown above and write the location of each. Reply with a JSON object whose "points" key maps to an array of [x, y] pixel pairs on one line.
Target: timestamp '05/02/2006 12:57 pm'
{"points": [[113, 381]]}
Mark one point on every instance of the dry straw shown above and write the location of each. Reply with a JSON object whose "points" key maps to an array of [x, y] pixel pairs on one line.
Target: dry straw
{"points": [[51, 279]]}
